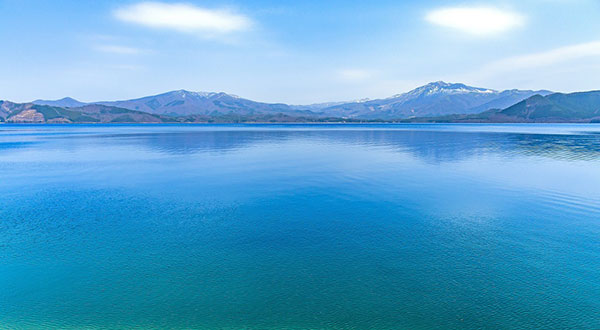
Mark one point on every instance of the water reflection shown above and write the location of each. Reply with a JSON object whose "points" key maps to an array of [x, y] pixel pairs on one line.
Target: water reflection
{"points": [[430, 143], [563, 147], [429, 146], [200, 141], [260, 227]]}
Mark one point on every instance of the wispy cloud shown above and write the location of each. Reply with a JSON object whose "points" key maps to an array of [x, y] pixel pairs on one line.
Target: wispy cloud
{"points": [[547, 58], [183, 18], [117, 49], [566, 68], [478, 21]]}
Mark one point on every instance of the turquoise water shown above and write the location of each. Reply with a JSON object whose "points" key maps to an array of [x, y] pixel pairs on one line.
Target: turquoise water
{"points": [[300, 227]]}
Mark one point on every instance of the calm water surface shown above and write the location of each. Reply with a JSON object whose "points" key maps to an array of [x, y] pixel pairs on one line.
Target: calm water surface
{"points": [[300, 227]]}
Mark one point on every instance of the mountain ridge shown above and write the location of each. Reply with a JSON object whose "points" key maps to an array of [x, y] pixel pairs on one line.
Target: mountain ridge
{"points": [[68, 102], [434, 102], [578, 107], [433, 99], [183, 103], [436, 98], [90, 113]]}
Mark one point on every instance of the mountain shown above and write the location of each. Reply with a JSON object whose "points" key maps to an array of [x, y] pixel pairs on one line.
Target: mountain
{"points": [[434, 102], [92, 113], [582, 107], [557, 107], [324, 105], [183, 103], [66, 102], [97, 113], [434, 99], [507, 98]]}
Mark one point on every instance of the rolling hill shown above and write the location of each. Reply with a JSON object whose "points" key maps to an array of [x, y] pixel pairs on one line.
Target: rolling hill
{"points": [[573, 107], [66, 102], [93, 113]]}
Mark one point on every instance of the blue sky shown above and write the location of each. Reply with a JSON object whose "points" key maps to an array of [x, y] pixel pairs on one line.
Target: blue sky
{"points": [[293, 51]]}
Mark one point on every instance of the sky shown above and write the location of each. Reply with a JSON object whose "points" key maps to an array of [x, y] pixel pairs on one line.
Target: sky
{"points": [[296, 52]]}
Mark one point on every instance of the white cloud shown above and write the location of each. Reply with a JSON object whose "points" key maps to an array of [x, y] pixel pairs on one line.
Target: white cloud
{"points": [[566, 68], [547, 58], [479, 21], [183, 17], [116, 49]]}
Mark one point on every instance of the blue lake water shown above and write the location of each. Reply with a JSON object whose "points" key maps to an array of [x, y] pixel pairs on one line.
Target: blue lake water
{"points": [[300, 227]]}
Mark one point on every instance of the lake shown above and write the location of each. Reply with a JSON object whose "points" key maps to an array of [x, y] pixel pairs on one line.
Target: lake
{"points": [[300, 227]]}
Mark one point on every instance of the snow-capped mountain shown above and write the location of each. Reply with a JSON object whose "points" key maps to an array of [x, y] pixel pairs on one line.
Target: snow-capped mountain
{"points": [[440, 87], [182, 102], [434, 99]]}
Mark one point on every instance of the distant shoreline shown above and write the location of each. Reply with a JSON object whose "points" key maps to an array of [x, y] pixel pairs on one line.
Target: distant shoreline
{"points": [[437, 102]]}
